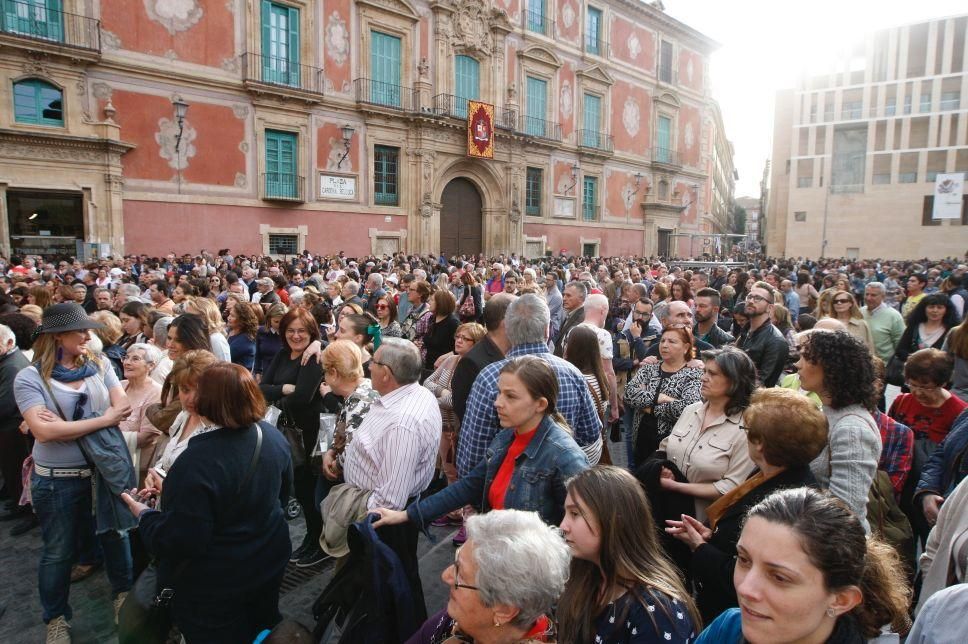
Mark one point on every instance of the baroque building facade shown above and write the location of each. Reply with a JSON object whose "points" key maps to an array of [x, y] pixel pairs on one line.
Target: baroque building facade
{"points": [[274, 126]]}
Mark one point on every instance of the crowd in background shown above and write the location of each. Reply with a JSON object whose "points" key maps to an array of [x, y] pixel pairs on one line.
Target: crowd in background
{"points": [[694, 430]]}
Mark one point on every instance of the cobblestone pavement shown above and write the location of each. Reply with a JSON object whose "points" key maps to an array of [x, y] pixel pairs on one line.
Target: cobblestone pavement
{"points": [[91, 599]]}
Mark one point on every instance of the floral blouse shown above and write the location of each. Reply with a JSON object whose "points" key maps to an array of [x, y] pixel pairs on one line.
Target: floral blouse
{"points": [[350, 417], [644, 388], [409, 325]]}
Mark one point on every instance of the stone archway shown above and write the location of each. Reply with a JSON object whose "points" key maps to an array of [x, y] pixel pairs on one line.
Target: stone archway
{"points": [[461, 219], [496, 228]]}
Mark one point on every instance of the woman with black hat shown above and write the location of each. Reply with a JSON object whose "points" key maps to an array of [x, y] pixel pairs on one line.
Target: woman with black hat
{"points": [[73, 403]]}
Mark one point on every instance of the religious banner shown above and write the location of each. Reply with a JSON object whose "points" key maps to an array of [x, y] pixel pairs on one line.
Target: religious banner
{"points": [[480, 130], [948, 189]]}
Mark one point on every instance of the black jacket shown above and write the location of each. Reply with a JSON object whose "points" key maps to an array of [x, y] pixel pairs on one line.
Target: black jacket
{"points": [[440, 339], [716, 336], [572, 320], [484, 353], [768, 350], [667, 505], [10, 365], [713, 562]]}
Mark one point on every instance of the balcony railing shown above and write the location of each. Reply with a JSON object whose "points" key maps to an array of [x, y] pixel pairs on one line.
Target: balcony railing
{"points": [[667, 156], [282, 73], [506, 119], [450, 105], [589, 212], [541, 128], [594, 140], [595, 46], [538, 23], [39, 23], [374, 92], [281, 186]]}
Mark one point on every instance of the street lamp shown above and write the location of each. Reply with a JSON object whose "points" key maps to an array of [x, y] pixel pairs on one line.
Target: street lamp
{"points": [[347, 137], [181, 108], [575, 169]]}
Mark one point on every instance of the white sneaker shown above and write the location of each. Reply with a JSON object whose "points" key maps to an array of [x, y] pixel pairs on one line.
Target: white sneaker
{"points": [[58, 631], [118, 602]]}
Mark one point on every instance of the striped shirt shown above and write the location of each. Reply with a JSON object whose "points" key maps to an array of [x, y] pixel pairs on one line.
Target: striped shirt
{"points": [[394, 450]]}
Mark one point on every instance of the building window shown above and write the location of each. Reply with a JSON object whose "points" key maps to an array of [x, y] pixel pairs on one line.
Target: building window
{"points": [[385, 69], [467, 83], [593, 31], [907, 177], [589, 200], [34, 18], [800, 215], [37, 102], [386, 163], [532, 192], [591, 120], [589, 249], [851, 110], [280, 244], [537, 20], [881, 178], [931, 176], [950, 101], [907, 103], [537, 107], [804, 182], [281, 176], [927, 213], [280, 44], [663, 139], [665, 62]]}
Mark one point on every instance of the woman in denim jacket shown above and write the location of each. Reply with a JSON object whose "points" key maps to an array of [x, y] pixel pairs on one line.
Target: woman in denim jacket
{"points": [[526, 465]]}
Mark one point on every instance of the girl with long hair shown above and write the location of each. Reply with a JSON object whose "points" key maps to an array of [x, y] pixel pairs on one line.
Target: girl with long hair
{"points": [[582, 350], [622, 587]]}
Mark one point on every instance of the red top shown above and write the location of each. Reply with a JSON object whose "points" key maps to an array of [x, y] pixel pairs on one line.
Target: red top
{"points": [[933, 422], [499, 486]]}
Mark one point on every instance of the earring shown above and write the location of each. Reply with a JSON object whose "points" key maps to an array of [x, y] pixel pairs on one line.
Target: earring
{"points": [[831, 612], [497, 624], [60, 354]]}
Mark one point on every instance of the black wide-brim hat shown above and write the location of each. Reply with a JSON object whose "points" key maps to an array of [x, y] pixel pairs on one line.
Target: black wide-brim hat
{"points": [[67, 316]]}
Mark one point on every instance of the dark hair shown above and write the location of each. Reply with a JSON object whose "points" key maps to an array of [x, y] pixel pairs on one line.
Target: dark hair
{"points": [[302, 315], [187, 289], [22, 327], [582, 350], [714, 297], [360, 323], [851, 558], [162, 287], [785, 444], [228, 396], [391, 305], [538, 378], [248, 322], [848, 373], [496, 309], [684, 287], [138, 310], [929, 365], [738, 367], [322, 312], [921, 277], [805, 321], [920, 313], [444, 303], [192, 332], [423, 288]]}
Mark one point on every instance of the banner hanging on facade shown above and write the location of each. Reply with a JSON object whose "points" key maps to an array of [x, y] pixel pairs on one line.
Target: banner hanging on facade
{"points": [[948, 189], [480, 130]]}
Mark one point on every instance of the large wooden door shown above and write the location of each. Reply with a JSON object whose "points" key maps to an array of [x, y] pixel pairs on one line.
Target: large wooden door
{"points": [[461, 220]]}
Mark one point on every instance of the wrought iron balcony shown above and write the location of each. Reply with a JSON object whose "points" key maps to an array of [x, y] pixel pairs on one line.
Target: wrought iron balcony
{"points": [[506, 118], [281, 186], [541, 128], [595, 141], [39, 28], [450, 105], [666, 156], [374, 92], [595, 46], [538, 23], [270, 73]]}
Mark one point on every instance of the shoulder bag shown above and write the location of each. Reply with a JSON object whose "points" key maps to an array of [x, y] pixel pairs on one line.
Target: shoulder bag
{"points": [[145, 616]]}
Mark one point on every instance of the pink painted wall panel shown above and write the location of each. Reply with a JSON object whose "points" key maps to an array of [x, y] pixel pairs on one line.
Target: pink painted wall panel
{"points": [[157, 228], [566, 99], [632, 44], [631, 118], [690, 135], [337, 45], [330, 148], [569, 24], [614, 241], [621, 196], [690, 69]]}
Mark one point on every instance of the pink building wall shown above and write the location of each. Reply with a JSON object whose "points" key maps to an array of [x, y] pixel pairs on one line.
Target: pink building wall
{"points": [[614, 241]]}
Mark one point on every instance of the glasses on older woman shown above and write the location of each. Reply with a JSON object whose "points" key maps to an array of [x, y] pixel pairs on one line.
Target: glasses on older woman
{"points": [[457, 583]]}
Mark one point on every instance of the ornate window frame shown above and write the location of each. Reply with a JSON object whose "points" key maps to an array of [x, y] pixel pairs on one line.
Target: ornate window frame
{"points": [[393, 17], [307, 28], [266, 229], [538, 61], [596, 81], [298, 124]]}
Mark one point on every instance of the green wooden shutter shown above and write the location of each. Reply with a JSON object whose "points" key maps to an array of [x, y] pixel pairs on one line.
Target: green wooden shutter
{"points": [[536, 16], [593, 30], [281, 165], [467, 82], [280, 44], [589, 198], [385, 180], [663, 137], [532, 198], [385, 69], [35, 18], [37, 102], [591, 115], [537, 107]]}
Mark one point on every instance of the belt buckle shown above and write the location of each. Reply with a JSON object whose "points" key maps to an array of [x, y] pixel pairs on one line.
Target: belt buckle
{"points": [[164, 597]]}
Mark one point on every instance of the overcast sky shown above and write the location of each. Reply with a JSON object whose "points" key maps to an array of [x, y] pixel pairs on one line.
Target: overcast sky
{"points": [[765, 44]]}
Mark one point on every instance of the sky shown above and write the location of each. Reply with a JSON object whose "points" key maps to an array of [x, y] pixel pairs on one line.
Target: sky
{"points": [[767, 44]]}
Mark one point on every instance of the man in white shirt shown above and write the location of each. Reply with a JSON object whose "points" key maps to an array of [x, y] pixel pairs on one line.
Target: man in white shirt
{"points": [[393, 452], [596, 310]]}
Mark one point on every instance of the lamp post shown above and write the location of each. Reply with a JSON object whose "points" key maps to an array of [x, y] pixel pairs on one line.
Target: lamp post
{"points": [[181, 108], [575, 169], [347, 137]]}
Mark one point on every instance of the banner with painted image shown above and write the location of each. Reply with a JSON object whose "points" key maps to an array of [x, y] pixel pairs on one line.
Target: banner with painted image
{"points": [[948, 189], [480, 130]]}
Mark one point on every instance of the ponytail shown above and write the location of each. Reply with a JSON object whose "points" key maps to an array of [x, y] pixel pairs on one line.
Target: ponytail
{"points": [[887, 594]]}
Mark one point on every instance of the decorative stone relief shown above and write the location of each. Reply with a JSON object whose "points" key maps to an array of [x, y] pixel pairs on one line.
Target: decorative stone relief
{"points": [[568, 15], [231, 65], [628, 194], [336, 151], [244, 147], [512, 92], [165, 138], [110, 40], [566, 99], [240, 111], [240, 180], [630, 116], [174, 15], [635, 47], [346, 87], [337, 39], [102, 91], [689, 136], [423, 69], [36, 66]]}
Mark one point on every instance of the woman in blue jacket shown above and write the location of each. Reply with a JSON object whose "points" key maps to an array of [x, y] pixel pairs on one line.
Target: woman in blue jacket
{"points": [[526, 465]]}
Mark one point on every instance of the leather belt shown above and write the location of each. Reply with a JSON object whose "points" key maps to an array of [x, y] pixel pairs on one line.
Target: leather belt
{"points": [[63, 472]]}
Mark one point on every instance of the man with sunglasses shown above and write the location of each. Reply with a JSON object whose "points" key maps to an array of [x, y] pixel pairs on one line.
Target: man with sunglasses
{"points": [[762, 341]]}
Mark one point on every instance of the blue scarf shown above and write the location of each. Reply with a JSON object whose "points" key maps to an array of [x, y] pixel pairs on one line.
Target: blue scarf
{"points": [[63, 374]]}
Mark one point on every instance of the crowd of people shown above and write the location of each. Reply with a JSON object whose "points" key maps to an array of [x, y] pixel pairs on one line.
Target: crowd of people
{"points": [[626, 449]]}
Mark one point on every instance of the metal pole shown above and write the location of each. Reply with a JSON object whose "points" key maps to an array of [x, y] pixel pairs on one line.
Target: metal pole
{"points": [[823, 233]]}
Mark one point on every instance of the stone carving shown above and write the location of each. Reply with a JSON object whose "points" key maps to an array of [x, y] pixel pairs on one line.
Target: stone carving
{"points": [[689, 136], [630, 116], [165, 138], [231, 65], [114, 182], [241, 180], [102, 91], [110, 40], [347, 87], [244, 147], [512, 93], [566, 99], [337, 39], [35, 65], [471, 26], [423, 69], [240, 111], [514, 214], [568, 15], [336, 151], [109, 111], [174, 15], [635, 47], [426, 208]]}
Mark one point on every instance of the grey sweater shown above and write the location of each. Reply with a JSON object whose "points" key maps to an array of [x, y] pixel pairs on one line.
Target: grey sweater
{"points": [[848, 463]]}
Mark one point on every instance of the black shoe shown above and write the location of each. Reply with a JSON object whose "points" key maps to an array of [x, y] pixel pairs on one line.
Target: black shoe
{"points": [[299, 552], [17, 513], [312, 557], [25, 526]]}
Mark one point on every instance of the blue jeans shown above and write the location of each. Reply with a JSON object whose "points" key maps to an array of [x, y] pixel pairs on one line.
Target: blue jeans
{"points": [[64, 509]]}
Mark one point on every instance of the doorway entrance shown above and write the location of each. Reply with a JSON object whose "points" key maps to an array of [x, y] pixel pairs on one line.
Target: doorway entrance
{"points": [[665, 245], [461, 219], [45, 223]]}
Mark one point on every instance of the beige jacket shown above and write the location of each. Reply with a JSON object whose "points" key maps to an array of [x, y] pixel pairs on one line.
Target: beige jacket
{"points": [[945, 558]]}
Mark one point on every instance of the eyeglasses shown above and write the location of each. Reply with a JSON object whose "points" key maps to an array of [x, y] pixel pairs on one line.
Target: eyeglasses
{"points": [[912, 385], [753, 297], [457, 583], [297, 332], [641, 314], [382, 364], [79, 406], [382, 306], [464, 338], [841, 301]]}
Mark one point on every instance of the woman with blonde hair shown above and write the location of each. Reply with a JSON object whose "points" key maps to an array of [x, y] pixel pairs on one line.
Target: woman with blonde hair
{"points": [[109, 334], [844, 308], [208, 311], [39, 296]]}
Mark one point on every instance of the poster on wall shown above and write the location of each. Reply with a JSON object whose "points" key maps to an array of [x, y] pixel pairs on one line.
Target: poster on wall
{"points": [[480, 130], [948, 189]]}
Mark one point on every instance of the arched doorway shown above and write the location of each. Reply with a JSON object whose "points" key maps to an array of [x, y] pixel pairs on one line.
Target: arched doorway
{"points": [[461, 219]]}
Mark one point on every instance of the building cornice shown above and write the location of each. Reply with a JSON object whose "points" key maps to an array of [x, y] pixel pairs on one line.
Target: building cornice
{"points": [[33, 145], [703, 43]]}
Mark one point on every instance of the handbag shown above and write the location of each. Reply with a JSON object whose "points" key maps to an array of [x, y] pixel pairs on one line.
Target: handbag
{"points": [[145, 615], [294, 436], [894, 372]]}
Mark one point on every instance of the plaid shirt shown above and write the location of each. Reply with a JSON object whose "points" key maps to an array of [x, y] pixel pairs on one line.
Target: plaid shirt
{"points": [[898, 450], [480, 422]]}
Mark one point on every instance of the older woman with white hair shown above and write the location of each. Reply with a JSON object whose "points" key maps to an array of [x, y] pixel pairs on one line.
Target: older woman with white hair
{"points": [[503, 582], [143, 391]]}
